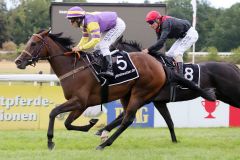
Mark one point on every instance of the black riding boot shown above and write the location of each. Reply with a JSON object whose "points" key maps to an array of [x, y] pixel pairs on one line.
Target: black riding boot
{"points": [[180, 68], [108, 71]]}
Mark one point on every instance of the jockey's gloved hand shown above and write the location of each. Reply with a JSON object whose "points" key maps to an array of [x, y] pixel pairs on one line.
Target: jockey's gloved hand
{"points": [[76, 49], [146, 51]]}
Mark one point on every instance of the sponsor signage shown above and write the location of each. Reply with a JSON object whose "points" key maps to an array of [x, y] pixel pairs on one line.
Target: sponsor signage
{"points": [[144, 116], [200, 113], [28, 107]]}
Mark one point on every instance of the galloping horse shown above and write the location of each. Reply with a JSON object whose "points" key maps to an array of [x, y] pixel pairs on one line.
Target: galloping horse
{"points": [[222, 76], [82, 90]]}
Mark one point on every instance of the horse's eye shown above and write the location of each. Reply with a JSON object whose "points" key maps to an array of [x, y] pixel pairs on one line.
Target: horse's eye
{"points": [[33, 44]]}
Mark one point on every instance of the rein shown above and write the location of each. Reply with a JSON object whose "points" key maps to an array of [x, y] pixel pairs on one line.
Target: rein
{"points": [[35, 59], [44, 44], [77, 56], [72, 72]]}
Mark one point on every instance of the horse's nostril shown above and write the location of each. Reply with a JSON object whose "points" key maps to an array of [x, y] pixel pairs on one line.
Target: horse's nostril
{"points": [[17, 62]]}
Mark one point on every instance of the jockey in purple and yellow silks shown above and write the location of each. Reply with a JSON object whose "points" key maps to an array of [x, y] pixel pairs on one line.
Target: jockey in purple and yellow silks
{"points": [[99, 31]]}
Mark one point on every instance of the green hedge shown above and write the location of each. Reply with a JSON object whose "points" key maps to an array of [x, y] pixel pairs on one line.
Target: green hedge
{"points": [[9, 56], [234, 58]]}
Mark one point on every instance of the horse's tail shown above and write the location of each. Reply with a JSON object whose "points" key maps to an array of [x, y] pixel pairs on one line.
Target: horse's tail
{"points": [[208, 93]]}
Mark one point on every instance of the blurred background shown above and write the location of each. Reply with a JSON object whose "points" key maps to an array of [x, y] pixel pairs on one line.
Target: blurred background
{"points": [[216, 21]]}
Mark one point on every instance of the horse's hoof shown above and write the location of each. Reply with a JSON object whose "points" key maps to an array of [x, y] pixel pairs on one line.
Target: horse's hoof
{"points": [[174, 140], [51, 145], [104, 139], [93, 121], [98, 133], [104, 136], [99, 148]]}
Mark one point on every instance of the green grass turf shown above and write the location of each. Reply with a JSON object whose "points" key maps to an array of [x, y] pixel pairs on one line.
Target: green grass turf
{"points": [[133, 144]]}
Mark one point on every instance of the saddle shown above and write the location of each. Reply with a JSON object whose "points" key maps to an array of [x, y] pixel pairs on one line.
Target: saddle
{"points": [[191, 72], [123, 68], [165, 60]]}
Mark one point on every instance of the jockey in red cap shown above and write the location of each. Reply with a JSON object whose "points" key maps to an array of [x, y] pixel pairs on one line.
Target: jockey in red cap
{"points": [[171, 27]]}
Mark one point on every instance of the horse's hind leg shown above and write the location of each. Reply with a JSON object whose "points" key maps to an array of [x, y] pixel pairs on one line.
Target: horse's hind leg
{"points": [[128, 119], [118, 120], [163, 110], [73, 116]]}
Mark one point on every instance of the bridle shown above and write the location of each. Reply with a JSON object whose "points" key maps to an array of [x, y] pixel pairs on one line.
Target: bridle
{"points": [[36, 57]]}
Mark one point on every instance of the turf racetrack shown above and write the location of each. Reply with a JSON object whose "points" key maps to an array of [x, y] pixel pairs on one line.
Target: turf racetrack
{"points": [[133, 144]]}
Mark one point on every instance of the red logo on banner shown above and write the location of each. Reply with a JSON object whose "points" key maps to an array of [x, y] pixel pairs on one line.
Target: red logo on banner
{"points": [[210, 107]]}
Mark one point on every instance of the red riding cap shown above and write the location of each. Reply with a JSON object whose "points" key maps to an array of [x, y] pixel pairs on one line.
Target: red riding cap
{"points": [[152, 16]]}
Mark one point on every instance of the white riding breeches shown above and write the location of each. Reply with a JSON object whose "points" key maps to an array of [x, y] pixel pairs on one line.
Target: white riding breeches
{"points": [[109, 37], [183, 44]]}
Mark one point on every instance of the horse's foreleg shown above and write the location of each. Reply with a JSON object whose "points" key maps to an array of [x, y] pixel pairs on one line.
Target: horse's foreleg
{"points": [[163, 110], [70, 105], [73, 116]]}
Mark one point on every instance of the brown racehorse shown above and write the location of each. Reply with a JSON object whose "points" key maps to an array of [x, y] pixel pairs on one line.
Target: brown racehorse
{"points": [[81, 88]]}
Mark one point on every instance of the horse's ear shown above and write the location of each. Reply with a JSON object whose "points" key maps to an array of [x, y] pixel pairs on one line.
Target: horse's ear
{"points": [[47, 32]]}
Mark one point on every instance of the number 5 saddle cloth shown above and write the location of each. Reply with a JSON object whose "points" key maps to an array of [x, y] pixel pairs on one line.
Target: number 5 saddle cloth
{"points": [[123, 68]]}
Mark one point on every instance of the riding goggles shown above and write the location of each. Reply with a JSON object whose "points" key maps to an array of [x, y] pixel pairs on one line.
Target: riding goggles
{"points": [[151, 22], [72, 20]]}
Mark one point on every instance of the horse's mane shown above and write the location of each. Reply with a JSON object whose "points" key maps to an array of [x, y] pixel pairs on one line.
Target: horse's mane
{"points": [[66, 42], [135, 45]]}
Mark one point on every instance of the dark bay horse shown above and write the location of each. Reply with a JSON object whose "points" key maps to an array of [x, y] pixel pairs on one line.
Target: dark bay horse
{"points": [[82, 90], [222, 76]]}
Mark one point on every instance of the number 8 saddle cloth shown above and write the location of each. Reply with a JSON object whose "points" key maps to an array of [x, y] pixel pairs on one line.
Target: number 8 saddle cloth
{"points": [[191, 71]]}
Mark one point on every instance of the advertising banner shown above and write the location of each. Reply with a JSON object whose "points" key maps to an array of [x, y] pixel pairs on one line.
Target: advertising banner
{"points": [[28, 107], [200, 113], [144, 116]]}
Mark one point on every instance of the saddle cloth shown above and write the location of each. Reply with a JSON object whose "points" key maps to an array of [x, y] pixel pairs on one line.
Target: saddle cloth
{"points": [[123, 69], [191, 71]]}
